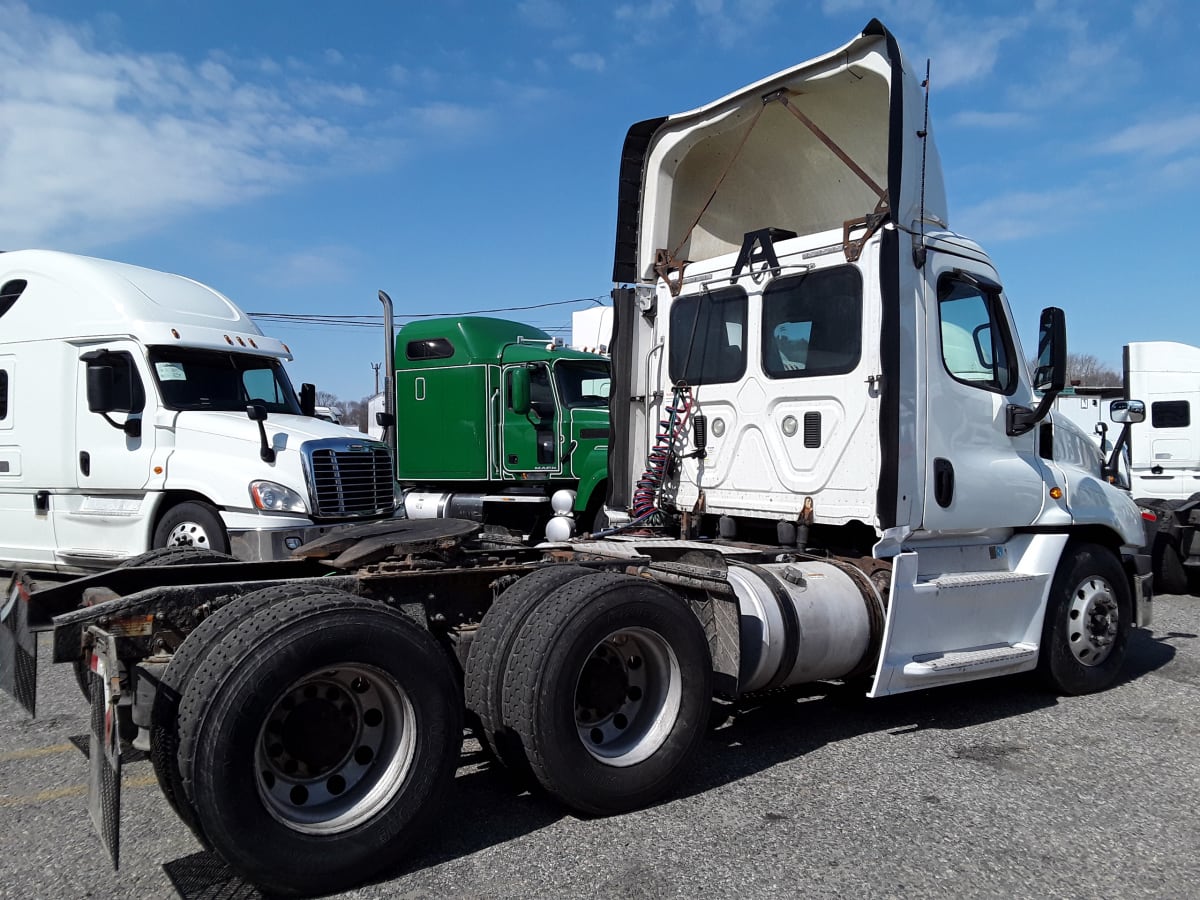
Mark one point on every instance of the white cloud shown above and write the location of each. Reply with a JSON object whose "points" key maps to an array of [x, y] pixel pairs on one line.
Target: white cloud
{"points": [[991, 120], [652, 11], [544, 13], [729, 23], [1151, 14], [589, 62], [1028, 214], [451, 120], [1157, 138], [325, 264], [102, 144]]}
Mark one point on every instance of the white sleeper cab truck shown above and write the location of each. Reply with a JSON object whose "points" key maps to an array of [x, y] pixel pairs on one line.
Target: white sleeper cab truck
{"points": [[1164, 455], [827, 466], [143, 410], [1158, 459]]}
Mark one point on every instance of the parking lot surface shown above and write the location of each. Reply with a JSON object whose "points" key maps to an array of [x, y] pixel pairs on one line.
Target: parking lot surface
{"points": [[983, 790]]}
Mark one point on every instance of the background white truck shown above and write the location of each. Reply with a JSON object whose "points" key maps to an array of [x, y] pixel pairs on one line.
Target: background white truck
{"points": [[1161, 461], [826, 466], [124, 424]]}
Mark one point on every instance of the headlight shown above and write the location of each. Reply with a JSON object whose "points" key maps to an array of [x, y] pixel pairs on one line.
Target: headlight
{"points": [[272, 497]]}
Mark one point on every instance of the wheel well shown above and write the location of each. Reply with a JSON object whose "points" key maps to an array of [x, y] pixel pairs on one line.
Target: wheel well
{"points": [[172, 499], [596, 498]]}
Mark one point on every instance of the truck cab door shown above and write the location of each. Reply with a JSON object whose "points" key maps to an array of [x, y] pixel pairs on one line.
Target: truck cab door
{"points": [[106, 515], [977, 476], [529, 438]]}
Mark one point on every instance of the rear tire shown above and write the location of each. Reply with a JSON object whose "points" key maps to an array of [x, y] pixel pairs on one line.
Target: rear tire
{"points": [[609, 685], [1088, 617], [164, 718], [484, 671], [315, 739], [192, 524]]}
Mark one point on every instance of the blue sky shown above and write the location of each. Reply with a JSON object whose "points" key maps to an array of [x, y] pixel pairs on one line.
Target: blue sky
{"points": [[463, 155]]}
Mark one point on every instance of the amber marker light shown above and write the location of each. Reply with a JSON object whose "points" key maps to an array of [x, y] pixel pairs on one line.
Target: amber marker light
{"points": [[1056, 493], [158, 470]]}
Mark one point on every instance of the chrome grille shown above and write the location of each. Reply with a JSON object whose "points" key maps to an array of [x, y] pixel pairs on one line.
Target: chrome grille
{"points": [[348, 482]]}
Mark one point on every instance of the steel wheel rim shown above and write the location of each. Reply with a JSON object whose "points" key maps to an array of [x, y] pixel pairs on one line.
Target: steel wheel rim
{"points": [[627, 696], [1093, 620], [335, 749], [188, 534]]}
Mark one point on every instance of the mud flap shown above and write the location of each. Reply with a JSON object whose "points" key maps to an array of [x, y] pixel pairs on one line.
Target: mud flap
{"points": [[104, 747], [18, 647]]}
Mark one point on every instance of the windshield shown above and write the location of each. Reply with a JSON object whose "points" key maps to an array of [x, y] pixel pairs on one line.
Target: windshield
{"points": [[582, 383], [210, 379]]}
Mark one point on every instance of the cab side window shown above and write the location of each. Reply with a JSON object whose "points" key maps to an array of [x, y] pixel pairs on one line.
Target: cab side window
{"points": [[1163, 414], [708, 337], [812, 324], [977, 349]]}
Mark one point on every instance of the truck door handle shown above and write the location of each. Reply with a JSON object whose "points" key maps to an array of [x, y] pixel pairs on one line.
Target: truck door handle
{"points": [[85, 462], [943, 482]]}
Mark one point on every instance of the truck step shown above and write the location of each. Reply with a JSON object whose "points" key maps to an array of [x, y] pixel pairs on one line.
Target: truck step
{"points": [[995, 657], [976, 579]]}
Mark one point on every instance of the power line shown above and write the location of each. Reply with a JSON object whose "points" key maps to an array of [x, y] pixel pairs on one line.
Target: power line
{"points": [[356, 321]]}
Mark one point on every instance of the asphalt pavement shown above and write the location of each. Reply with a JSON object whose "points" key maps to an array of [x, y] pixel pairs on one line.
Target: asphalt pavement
{"points": [[994, 789]]}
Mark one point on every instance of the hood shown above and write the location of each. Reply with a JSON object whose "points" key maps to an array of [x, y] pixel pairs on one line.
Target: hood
{"points": [[283, 431], [807, 150]]}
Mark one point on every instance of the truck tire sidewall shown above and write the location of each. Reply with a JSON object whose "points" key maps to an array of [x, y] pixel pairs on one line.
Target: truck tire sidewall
{"points": [[1058, 668], [283, 648], [164, 725], [484, 672], [200, 514], [544, 670]]}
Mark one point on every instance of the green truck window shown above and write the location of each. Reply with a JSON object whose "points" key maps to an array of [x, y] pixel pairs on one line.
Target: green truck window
{"points": [[434, 348]]}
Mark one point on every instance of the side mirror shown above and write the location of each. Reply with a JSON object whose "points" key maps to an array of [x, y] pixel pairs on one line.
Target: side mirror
{"points": [[1127, 412], [257, 412], [1051, 373], [519, 398], [308, 400], [385, 419], [100, 389]]}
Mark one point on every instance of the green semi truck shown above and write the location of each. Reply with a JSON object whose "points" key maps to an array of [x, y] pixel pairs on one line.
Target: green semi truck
{"points": [[498, 423]]}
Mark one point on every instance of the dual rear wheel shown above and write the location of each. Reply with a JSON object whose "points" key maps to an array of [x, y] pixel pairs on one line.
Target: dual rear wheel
{"points": [[597, 686]]}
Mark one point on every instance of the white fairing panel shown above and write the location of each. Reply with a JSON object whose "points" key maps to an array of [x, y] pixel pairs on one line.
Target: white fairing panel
{"points": [[740, 164]]}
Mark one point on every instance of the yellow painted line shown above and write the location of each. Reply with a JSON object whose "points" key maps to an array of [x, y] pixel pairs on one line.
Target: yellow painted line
{"points": [[71, 790], [36, 752]]}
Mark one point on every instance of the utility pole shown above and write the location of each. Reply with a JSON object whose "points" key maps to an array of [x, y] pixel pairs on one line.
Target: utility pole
{"points": [[376, 367]]}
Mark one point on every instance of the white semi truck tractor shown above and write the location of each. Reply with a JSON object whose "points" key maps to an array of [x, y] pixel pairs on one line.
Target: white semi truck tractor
{"points": [[826, 465]]}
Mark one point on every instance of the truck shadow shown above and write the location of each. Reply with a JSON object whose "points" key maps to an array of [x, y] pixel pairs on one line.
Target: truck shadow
{"points": [[487, 807]]}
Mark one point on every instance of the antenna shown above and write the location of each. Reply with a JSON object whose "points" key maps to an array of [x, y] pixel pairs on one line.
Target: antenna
{"points": [[923, 134]]}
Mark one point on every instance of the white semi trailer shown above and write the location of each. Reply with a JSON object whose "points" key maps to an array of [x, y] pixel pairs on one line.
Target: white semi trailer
{"points": [[827, 465], [1160, 459], [124, 424]]}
